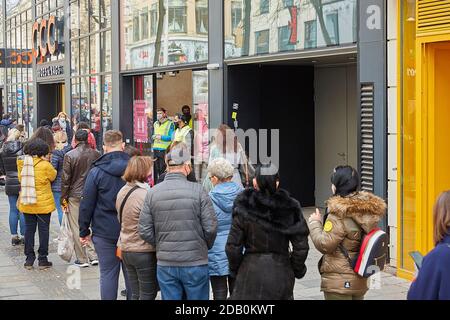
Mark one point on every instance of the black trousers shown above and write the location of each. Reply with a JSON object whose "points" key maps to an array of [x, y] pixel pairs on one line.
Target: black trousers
{"points": [[220, 286], [42, 222], [159, 164], [141, 271]]}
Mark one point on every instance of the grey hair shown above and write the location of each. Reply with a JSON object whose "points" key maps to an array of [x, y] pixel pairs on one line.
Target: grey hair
{"points": [[221, 168]]}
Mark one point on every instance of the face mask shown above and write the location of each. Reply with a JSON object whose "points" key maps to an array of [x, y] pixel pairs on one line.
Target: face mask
{"points": [[159, 117]]}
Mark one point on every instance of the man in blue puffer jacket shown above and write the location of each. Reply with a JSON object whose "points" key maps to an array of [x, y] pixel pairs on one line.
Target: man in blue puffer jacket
{"points": [[98, 211], [222, 195]]}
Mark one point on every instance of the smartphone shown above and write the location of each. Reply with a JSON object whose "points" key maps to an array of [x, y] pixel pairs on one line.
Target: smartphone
{"points": [[417, 257]]}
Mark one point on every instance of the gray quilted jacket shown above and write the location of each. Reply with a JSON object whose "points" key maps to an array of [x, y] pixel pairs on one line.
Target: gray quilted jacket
{"points": [[178, 219]]}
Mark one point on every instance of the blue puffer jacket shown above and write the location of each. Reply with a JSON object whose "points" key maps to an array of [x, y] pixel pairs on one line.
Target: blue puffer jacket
{"points": [[222, 197], [98, 204], [57, 163], [433, 281]]}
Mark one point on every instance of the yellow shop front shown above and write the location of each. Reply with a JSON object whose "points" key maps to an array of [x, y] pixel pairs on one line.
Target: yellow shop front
{"points": [[424, 122]]}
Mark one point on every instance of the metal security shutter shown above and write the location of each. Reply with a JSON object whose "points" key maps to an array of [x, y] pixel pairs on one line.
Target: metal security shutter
{"points": [[367, 137], [433, 16]]}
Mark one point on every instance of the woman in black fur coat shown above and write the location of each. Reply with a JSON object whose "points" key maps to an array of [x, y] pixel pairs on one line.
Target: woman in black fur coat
{"points": [[266, 220]]}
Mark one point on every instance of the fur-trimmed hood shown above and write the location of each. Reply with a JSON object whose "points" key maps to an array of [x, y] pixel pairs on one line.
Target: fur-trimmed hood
{"points": [[365, 208], [278, 212]]}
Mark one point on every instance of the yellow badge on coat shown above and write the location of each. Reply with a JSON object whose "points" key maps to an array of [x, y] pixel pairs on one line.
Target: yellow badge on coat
{"points": [[328, 226]]}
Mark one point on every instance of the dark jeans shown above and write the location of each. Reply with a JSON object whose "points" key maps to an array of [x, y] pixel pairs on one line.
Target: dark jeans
{"points": [[192, 280], [160, 163], [141, 270], [42, 222], [109, 268], [220, 286]]}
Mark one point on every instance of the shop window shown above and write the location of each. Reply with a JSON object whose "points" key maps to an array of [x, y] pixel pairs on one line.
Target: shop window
{"points": [[105, 13], [284, 34], [333, 27], [264, 6], [94, 14], [177, 19], [262, 41], [201, 16], [310, 34]]}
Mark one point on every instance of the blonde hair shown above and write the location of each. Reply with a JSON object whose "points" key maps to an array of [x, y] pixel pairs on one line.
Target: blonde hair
{"points": [[13, 135], [112, 138], [60, 139], [62, 114]]}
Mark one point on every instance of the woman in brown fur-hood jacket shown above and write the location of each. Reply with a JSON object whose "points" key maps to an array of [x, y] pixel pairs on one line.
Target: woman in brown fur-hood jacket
{"points": [[350, 214]]}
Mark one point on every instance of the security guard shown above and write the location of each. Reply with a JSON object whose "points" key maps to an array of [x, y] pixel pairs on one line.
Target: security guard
{"points": [[162, 138]]}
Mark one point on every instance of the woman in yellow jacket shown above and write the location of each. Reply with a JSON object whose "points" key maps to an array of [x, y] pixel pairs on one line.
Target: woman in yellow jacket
{"points": [[36, 199]]}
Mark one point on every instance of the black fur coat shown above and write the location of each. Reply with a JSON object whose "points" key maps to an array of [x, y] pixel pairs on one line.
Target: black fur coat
{"points": [[267, 245]]}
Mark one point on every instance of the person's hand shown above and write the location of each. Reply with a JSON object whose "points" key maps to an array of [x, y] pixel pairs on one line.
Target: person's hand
{"points": [[316, 216], [158, 136], [85, 241]]}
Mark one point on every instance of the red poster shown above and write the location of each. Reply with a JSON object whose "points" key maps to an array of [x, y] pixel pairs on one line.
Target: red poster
{"points": [[293, 25], [140, 121]]}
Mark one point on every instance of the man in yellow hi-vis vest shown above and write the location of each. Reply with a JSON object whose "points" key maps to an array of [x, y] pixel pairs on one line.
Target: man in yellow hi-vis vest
{"points": [[187, 112], [162, 138]]}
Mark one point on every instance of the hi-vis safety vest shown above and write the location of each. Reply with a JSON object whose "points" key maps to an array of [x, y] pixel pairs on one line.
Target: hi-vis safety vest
{"points": [[163, 130], [180, 134]]}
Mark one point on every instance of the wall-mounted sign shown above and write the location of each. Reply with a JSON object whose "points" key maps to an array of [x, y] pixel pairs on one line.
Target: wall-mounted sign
{"points": [[50, 71], [140, 128], [45, 37], [12, 58]]}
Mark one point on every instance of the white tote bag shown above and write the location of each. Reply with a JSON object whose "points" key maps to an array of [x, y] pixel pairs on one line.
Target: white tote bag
{"points": [[65, 240]]}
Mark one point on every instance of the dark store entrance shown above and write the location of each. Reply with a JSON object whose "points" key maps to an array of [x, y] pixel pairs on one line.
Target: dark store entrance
{"points": [[314, 107], [50, 101]]}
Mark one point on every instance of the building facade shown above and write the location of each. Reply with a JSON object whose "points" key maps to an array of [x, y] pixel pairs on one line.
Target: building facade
{"points": [[252, 64]]}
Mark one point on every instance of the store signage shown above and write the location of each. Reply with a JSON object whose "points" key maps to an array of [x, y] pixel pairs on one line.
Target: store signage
{"points": [[45, 37], [12, 58], [48, 71]]}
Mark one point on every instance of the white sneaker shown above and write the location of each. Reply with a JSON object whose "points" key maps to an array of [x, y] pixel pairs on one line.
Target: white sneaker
{"points": [[94, 262], [80, 264]]}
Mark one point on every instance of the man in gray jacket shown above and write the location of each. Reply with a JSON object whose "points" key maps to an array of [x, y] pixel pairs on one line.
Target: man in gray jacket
{"points": [[178, 219]]}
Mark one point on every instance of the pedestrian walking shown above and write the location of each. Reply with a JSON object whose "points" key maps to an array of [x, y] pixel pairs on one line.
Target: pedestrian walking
{"points": [[36, 174], [11, 150], [178, 220], [98, 211], [222, 196], [266, 220], [138, 256], [76, 166], [351, 214], [61, 148], [433, 280], [162, 138]]}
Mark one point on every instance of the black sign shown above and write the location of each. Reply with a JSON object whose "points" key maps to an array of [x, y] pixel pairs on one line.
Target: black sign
{"points": [[50, 71]]}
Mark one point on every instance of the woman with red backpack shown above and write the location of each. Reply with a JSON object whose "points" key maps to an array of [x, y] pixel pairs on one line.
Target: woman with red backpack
{"points": [[351, 214]]}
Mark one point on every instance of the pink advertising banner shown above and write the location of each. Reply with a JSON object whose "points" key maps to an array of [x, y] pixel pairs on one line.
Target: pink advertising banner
{"points": [[140, 121]]}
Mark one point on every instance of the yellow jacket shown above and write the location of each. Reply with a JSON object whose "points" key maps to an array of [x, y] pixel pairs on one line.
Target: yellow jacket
{"points": [[44, 175]]}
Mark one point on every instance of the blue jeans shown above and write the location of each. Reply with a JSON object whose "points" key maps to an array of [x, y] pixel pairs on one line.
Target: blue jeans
{"points": [[57, 198], [15, 217], [193, 280], [109, 266]]}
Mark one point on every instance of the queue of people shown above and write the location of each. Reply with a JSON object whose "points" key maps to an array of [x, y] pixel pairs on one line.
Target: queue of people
{"points": [[238, 232]]}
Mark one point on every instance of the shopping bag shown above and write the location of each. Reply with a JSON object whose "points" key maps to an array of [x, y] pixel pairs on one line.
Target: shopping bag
{"points": [[65, 240]]}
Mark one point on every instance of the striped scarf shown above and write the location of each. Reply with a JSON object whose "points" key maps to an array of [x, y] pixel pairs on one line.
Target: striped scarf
{"points": [[28, 189]]}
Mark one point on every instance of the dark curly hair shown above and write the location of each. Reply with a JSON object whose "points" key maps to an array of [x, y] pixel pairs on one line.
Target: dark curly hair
{"points": [[36, 147]]}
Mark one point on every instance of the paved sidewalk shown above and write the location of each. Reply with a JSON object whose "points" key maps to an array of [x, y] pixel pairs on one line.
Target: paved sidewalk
{"points": [[16, 283]]}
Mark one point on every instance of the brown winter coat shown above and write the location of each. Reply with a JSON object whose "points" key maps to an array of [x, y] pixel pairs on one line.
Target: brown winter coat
{"points": [[348, 217], [130, 240]]}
